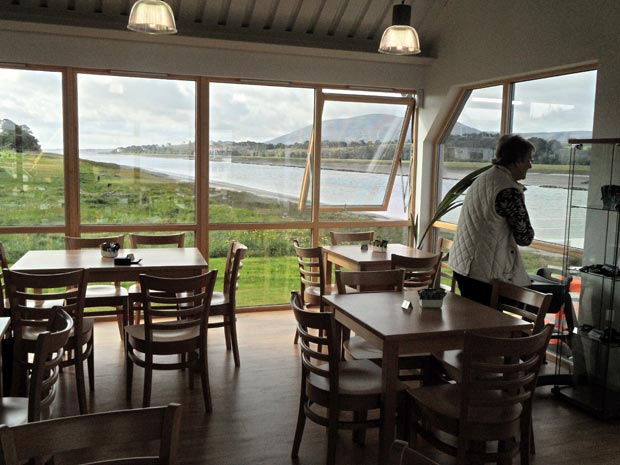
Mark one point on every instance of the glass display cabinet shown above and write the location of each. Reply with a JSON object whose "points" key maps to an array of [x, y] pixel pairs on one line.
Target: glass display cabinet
{"points": [[590, 357]]}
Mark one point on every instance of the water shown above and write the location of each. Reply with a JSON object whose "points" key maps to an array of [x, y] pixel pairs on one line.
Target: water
{"points": [[546, 205]]}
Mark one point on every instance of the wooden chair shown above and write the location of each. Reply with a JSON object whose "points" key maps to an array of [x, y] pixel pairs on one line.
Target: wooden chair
{"points": [[330, 387], [4, 301], [443, 246], [420, 273], [402, 454], [103, 295], [363, 237], [136, 241], [83, 437], [369, 281], [521, 302], [491, 405], [52, 336], [181, 307], [312, 277], [224, 303], [28, 293], [356, 347]]}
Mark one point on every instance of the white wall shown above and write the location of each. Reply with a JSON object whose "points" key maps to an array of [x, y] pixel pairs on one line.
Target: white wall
{"points": [[484, 40], [42, 44]]}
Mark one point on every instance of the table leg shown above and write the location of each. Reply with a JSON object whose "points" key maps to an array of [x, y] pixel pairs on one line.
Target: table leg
{"points": [[328, 269], [388, 412]]}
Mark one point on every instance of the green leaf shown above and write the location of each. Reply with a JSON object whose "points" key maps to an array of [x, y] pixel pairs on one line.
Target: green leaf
{"points": [[450, 201]]}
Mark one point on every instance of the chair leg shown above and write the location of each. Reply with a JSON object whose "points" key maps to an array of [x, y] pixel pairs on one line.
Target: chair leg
{"points": [[204, 378], [128, 370], [301, 421], [79, 378], [359, 434], [19, 375], [148, 381], [91, 363], [233, 340], [120, 322], [332, 439], [227, 332], [191, 360]]}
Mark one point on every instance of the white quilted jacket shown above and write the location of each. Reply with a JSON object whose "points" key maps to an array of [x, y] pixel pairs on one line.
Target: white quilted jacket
{"points": [[484, 247]]}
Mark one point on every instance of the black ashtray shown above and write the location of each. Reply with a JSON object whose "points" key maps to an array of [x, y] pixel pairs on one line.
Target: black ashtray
{"points": [[128, 260]]}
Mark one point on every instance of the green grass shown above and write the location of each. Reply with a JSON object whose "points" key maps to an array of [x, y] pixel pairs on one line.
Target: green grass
{"points": [[33, 195]]}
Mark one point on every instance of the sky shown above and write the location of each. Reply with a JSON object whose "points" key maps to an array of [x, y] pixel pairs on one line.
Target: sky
{"points": [[118, 111], [559, 103]]}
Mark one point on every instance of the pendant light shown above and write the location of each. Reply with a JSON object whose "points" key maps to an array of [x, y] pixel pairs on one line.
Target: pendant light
{"points": [[152, 17], [400, 38]]}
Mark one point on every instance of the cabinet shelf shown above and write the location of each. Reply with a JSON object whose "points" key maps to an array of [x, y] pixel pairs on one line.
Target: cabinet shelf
{"points": [[593, 238]]}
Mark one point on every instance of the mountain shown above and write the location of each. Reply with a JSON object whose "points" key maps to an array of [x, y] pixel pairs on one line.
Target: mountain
{"points": [[561, 136], [364, 127], [461, 129]]}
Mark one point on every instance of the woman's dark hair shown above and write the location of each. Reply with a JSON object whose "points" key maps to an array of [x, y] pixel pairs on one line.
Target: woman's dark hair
{"points": [[512, 148]]}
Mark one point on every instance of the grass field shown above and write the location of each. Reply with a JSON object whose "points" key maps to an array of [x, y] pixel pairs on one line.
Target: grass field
{"points": [[33, 195]]}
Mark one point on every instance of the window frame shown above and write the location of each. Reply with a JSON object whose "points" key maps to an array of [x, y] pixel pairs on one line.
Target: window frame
{"points": [[508, 85], [313, 160]]}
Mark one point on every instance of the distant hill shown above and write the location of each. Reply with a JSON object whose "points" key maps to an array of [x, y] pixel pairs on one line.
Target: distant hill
{"points": [[561, 136], [364, 127], [461, 129]]}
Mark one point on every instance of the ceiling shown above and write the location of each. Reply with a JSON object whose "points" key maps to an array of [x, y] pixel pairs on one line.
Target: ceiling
{"points": [[354, 25]]}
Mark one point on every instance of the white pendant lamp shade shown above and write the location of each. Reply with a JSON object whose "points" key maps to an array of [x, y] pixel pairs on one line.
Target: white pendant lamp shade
{"points": [[152, 17], [400, 38]]}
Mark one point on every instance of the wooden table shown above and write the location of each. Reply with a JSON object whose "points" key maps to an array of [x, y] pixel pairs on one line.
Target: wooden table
{"points": [[167, 262], [352, 257], [380, 319]]}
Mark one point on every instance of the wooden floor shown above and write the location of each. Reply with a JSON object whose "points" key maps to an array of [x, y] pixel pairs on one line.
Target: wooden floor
{"points": [[255, 406]]}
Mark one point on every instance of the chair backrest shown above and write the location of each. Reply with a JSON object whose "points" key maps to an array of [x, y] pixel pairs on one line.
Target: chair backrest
{"points": [[136, 240], [28, 293], [87, 434], [232, 273], [338, 238], [528, 304], [499, 378], [318, 355], [443, 246], [419, 272], [173, 304], [552, 280], [44, 369], [402, 454], [369, 281], [77, 243], [311, 271]]}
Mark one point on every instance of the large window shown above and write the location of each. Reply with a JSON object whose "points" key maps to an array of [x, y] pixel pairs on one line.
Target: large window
{"points": [[547, 111], [92, 153], [31, 148], [259, 138], [137, 155]]}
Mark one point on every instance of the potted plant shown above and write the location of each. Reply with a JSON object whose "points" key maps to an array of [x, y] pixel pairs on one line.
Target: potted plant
{"points": [[451, 201]]}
